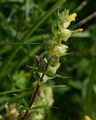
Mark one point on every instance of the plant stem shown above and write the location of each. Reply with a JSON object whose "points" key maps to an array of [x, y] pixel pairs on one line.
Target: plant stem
{"points": [[31, 101], [34, 94]]}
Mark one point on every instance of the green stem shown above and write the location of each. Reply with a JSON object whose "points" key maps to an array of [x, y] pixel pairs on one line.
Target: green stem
{"points": [[14, 91]]}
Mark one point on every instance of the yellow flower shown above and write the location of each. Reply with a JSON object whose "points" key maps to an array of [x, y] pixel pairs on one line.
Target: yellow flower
{"points": [[86, 117], [78, 30], [72, 17]]}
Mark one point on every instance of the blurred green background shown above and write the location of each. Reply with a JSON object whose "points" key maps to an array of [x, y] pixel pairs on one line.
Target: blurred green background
{"points": [[23, 23]]}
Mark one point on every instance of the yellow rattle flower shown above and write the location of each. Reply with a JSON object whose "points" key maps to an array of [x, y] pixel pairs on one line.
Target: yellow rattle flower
{"points": [[69, 20]]}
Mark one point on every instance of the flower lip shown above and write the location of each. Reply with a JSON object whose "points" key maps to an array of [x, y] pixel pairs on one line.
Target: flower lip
{"points": [[72, 17]]}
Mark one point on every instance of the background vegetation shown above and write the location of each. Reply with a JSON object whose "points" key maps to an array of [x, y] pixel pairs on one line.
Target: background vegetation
{"points": [[23, 23]]}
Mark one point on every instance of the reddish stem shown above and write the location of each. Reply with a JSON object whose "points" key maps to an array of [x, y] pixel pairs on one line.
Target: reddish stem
{"points": [[33, 96], [31, 101]]}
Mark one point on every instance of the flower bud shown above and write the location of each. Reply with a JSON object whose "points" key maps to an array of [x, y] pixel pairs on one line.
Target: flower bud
{"points": [[48, 94], [53, 59], [60, 50], [48, 44], [51, 71], [39, 63], [65, 34]]}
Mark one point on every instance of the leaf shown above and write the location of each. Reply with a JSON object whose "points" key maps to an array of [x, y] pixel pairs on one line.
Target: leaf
{"points": [[24, 102], [60, 76], [88, 97]]}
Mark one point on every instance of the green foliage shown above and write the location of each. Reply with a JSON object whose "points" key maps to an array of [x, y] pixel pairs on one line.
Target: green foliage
{"points": [[22, 26]]}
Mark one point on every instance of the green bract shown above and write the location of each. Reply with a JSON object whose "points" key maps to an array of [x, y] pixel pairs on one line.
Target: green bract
{"points": [[63, 16], [51, 71]]}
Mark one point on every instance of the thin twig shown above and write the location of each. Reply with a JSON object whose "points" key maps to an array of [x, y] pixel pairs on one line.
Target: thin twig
{"points": [[85, 20], [82, 5]]}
